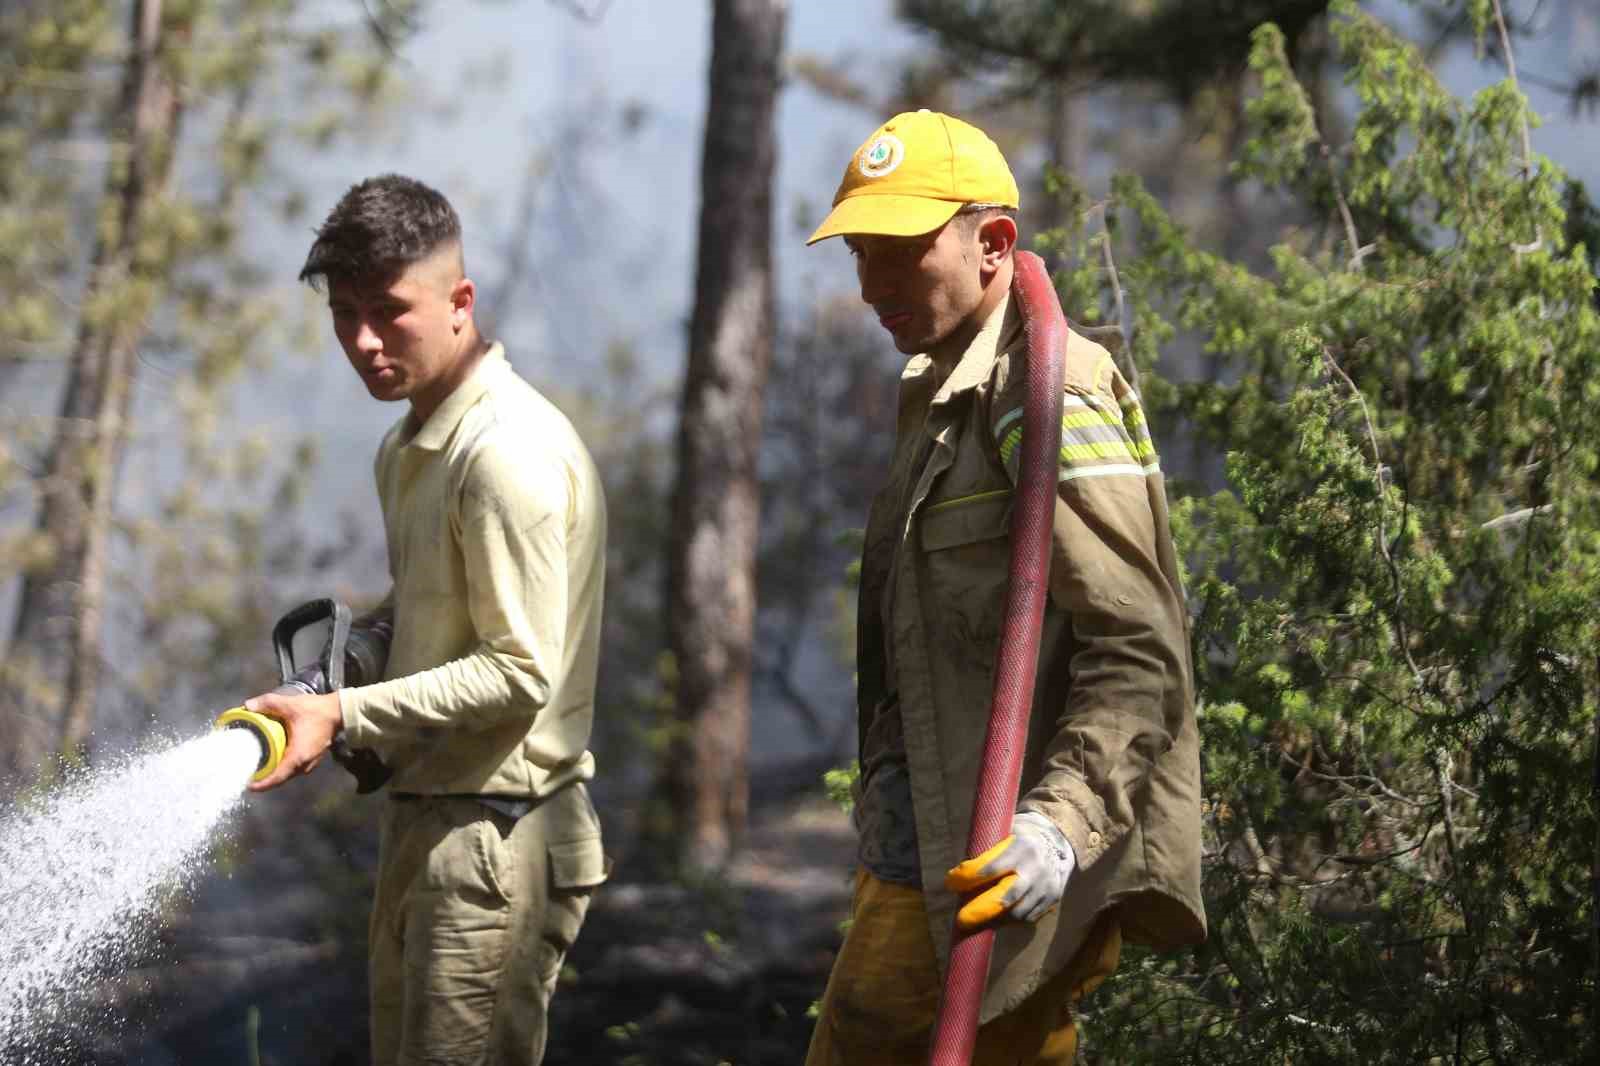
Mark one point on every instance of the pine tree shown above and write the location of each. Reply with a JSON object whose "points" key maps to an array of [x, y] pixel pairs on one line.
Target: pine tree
{"points": [[1397, 598], [112, 262], [711, 595]]}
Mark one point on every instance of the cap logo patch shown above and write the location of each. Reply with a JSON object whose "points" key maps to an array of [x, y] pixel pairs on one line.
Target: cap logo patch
{"points": [[881, 156]]}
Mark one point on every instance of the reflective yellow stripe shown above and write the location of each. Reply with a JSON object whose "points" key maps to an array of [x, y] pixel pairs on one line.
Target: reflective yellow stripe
{"points": [[1074, 453], [1009, 446], [1089, 412], [1074, 419], [1078, 451]]}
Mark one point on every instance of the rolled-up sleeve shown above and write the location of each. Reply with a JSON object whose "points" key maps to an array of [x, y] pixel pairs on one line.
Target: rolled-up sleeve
{"points": [[512, 523]]}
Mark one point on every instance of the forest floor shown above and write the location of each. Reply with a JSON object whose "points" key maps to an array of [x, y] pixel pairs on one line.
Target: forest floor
{"points": [[268, 965], [665, 974]]}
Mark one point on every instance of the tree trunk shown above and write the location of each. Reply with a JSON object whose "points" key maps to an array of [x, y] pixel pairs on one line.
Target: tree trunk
{"points": [[711, 595], [1064, 140], [51, 680]]}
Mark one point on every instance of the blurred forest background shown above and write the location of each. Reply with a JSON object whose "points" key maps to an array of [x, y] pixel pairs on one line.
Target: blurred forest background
{"points": [[1347, 250]]}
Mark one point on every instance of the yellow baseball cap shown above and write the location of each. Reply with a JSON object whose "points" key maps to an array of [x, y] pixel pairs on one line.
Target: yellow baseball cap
{"points": [[913, 174]]}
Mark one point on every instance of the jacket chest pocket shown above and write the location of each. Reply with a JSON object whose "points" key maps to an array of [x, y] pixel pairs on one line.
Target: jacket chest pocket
{"points": [[966, 550]]}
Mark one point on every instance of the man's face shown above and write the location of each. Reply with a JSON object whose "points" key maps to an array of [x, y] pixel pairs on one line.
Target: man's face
{"points": [[401, 333], [924, 289]]}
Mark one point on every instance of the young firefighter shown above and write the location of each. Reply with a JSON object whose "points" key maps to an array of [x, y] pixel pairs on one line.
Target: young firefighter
{"points": [[1106, 838], [492, 507]]}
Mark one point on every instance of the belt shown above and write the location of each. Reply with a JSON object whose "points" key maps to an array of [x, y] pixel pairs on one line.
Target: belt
{"points": [[511, 807]]}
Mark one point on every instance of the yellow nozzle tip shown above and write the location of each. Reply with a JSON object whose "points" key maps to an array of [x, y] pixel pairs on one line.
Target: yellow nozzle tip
{"points": [[268, 730]]}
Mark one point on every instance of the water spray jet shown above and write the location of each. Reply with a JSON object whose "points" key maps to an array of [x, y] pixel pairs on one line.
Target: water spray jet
{"points": [[268, 731], [86, 867]]}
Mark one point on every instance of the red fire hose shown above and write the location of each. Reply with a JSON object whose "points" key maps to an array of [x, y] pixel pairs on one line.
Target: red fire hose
{"points": [[1032, 514]]}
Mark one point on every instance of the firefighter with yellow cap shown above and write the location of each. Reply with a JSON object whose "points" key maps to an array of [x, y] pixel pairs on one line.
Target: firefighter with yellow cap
{"points": [[1105, 844]]}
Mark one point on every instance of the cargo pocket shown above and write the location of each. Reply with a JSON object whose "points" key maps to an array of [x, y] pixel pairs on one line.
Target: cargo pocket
{"points": [[967, 553], [577, 867], [578, 864], [457, 925], [967, 520]]}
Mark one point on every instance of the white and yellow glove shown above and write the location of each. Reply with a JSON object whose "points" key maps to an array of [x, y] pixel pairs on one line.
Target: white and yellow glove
{"points": [[1025, 874]]}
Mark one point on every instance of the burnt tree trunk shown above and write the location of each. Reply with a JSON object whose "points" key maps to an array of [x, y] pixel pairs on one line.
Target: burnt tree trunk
{"points": [[711, 594], [52, 675]]}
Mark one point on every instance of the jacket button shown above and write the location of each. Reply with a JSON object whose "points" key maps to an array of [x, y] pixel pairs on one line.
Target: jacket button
{"points": [[1094, 840]]}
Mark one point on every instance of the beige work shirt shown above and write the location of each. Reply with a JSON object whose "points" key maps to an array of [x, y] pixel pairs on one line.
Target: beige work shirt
{"points": [[1112, 756], [496, 528]]}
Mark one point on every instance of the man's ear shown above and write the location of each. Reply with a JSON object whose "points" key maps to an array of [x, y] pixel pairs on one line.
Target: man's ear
{"points": [[997, 239], [463, 298]]}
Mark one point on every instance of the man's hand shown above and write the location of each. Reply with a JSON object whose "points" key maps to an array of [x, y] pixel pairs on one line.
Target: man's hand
{"points": [[310, 721], [1025, 874]]}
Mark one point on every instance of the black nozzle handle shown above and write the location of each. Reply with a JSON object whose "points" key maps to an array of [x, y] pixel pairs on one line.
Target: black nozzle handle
{"points": [[306, 614]]}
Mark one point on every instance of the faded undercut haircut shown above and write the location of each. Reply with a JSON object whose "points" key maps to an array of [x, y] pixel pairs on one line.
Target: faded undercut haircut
{"points": [[972, 216], [378, 228]]}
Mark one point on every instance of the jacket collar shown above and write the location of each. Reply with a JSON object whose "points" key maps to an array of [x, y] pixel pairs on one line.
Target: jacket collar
{"points": [[437, 429], [996, 334]]}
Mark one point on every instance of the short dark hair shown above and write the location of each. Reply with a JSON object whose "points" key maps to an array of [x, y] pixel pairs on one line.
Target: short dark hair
{"points": [[378, 228], [972, 216]]}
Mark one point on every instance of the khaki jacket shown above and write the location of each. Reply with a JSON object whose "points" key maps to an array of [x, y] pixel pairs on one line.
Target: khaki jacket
{"points": [[496, 527], [1112, 755]]}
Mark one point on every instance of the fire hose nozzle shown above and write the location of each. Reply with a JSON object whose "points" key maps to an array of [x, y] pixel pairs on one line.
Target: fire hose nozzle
{"points": [[267, 730]]}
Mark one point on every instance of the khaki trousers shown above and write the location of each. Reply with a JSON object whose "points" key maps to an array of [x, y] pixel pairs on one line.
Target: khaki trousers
{"points": [[473, 915], [883, 995]]}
